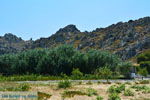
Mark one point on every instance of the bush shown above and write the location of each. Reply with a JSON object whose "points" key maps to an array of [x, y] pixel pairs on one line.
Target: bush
{"points": [[76, 74], [91, 92], [128, 92], [146, 90], [112, 89], [124, 69], [104, 72], [99, 98], [143, 72], [116, 89], [144, 60], [64, 84], [114, 96], [120, 88], [139, 88], [24, 87]]}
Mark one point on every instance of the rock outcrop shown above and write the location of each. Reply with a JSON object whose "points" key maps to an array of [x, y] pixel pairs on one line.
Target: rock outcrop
{"points": [[126, 39]]}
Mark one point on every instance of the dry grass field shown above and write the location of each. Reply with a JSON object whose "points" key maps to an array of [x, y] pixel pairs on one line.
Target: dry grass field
{"points": [[85, 90]]}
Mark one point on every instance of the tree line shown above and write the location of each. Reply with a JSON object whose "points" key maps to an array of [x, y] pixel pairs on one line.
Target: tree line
{"points": [[62, 59]]}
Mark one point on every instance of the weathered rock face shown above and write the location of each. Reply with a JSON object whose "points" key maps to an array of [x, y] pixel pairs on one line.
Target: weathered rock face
{"points": [[68, 29], [11, 38], [10, 43], [60, 37], [125, 39]]}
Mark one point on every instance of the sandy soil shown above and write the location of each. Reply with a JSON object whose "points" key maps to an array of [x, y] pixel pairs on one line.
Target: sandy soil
{"points": [[100, 88]]}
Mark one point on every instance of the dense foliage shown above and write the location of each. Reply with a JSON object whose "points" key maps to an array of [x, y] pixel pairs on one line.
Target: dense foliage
{"points": [[57, 61], [144, 61]]}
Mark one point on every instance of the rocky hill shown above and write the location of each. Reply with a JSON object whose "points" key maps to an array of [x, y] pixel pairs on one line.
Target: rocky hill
{"points": [[10, 43], [127, 39]]}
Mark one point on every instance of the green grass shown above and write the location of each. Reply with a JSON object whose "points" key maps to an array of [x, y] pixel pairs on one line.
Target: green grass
{"points": [[146, 90], [128, 92], [34, 77], [28, 78], [114, 96], [116, 89], [99, 98], [91, 92], [143, 88], [140, 88]]}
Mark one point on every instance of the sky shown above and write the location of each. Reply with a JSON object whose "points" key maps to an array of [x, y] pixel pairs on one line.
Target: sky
{"points": [[42, 18]]}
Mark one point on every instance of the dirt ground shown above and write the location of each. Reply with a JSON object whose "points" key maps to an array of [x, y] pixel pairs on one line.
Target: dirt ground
{"points": [[101, 89]]}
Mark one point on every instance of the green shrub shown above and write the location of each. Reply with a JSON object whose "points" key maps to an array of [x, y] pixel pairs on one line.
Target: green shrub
{"points": [[72, 93], [104, 72], [139, 88], [128, 92], [146, 90], [121, 88], [116, 89], [76, 74], [91, 92], [64, 84], [31, 77], [143, 72], [99, 98], [144, 60], [114, 96], [124, 69], [112, 89], [24, 87]]}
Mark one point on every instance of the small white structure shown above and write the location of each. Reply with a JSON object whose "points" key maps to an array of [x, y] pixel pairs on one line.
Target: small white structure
{"points": [[133, 75]]}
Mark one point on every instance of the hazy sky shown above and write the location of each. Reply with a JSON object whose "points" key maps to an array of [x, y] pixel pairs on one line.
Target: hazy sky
{"points": [[41, 18]]}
